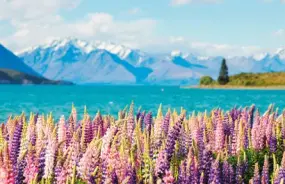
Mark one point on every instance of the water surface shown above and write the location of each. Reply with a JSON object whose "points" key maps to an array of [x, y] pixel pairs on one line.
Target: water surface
{"points": [[109, 99]]}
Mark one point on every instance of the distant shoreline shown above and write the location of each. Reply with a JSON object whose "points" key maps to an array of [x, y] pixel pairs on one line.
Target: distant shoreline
{"points": [[235, 87]]}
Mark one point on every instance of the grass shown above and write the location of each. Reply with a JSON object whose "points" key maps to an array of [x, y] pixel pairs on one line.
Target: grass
{"points": [[270, 80]]}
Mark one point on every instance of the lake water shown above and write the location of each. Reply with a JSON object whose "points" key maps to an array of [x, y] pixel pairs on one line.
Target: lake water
{"points": [[109, 99]]}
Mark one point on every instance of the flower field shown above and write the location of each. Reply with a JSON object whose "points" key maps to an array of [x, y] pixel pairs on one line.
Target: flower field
{"points": [[238, 146]]}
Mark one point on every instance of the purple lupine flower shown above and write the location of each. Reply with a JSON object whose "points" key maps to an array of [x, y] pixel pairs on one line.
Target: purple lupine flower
{"points": [[231, 174], [97, 125], [41, 163], [161, 164], [106, 124], [57, 171], [280, 176], [173, 136], [234, 113], [234, 141], [169, 149], [184, 142], [91, 180], [215, 174], [256, 177], [114, 178], [148, 122], [197, 136], [131, 174], [104, 171], [240, 169], [69, 130], [89, 134], [193, 170], [226, 172], [227, 125], [265, 171], [15, 148], [141, 119], [205, 164], [182, 173], [273, 143], [165, 124], [268, 130], [20, 172]]}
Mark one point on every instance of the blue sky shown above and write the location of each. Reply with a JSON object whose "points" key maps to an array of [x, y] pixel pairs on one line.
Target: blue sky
{"points": [[206, 27]]}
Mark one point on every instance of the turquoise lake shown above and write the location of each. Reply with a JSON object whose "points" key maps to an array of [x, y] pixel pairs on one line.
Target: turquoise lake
{"points": [[110, 99]]}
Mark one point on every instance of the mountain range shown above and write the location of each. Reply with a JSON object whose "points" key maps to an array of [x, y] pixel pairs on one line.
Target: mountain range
{"points": [[85, 62], [14, 71]]}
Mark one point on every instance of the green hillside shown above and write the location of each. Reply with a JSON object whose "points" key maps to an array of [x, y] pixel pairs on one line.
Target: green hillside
{"points": [[8, 76], [258, 79], [249, 80]]}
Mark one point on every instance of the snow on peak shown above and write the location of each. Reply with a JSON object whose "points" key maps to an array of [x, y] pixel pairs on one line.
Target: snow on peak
{"points": [[176, 53], [260, 56], [86, 47], [120, 50], [281, 53], [81, 44]]}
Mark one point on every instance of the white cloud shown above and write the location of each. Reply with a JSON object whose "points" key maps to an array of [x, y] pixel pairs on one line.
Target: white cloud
{"points": [[183, 2], [96, 26], [211, 49], [38, 22], [33, 9], [279, 33]]}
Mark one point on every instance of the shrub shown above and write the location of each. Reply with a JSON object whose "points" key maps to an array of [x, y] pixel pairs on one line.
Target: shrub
{"points": [[206, 80]]}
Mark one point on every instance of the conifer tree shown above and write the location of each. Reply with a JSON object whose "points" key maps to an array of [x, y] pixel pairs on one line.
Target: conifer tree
{"points": [[223, 75]]}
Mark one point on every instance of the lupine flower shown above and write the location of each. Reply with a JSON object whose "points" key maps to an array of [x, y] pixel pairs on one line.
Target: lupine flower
{"points": [[20, 171], [50, 157], [15, 149], [204, 148], [215, 173], [168, 178], [169, 149], [219, 135], [61, 133], [148, 122], [165, 125], [256, 177], [130, 121], [265, 171]]}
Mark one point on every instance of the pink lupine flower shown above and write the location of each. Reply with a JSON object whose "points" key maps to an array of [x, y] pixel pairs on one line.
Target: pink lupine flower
{"points": [[61, 131], [168, 178], [31, 170], [219, 135], [89, 161], [50, 157], [3, 175]]}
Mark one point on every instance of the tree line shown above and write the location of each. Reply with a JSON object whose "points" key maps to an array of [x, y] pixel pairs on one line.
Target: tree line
{"points": [[223, 76]]}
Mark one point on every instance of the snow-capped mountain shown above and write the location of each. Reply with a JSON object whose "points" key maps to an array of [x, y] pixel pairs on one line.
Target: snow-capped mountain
{"points": [[105, 62]]}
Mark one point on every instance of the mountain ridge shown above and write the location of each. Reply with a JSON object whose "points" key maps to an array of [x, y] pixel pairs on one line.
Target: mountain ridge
{"points": [[132, 66]]}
